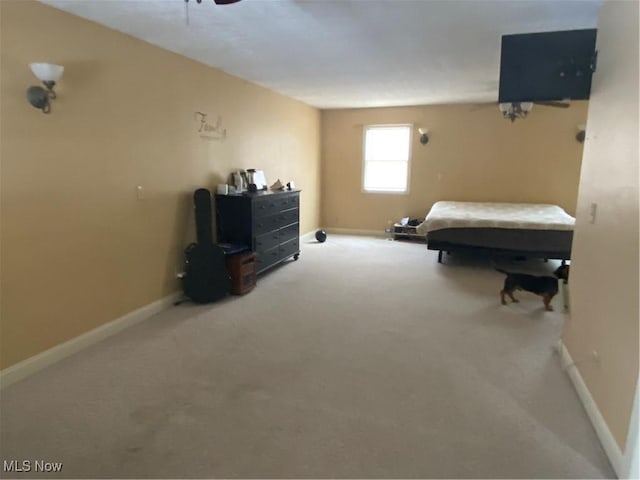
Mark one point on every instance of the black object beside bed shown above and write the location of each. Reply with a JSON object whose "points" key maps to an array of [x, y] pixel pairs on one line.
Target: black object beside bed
{"points": [[498, 229]]}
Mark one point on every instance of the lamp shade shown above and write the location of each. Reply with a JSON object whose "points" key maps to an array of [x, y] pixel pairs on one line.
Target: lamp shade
{"points": [[47, 72], [526, 106], [504, 107]]}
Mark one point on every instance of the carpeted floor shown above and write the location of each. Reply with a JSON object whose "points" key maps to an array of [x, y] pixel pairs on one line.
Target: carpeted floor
{"points": [[365, 358]]}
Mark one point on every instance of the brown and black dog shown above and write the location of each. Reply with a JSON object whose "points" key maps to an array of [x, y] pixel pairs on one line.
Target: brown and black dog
{"points": [[546, 286]]}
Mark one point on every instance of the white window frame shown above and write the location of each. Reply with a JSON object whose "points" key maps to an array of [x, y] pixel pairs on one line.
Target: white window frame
{"points": [[364, 159]]}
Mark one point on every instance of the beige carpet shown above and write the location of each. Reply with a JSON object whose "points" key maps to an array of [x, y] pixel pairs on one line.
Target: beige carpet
{"points": [[365, 358]]}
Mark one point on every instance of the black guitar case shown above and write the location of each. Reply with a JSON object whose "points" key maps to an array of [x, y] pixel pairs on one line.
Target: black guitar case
{"points": [[206, 276]]}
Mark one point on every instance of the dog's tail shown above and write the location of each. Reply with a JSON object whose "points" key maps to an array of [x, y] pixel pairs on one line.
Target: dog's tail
{"points": [[499, 269]]}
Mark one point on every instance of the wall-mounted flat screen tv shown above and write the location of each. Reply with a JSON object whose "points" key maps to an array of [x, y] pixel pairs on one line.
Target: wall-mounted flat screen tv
{"points": [[547, 66]]}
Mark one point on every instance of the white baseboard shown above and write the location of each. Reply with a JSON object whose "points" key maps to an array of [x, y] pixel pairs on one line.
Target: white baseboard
{"points": [[42, 360], [607, 440], [352, 231], [632, 449], [308, 236]]}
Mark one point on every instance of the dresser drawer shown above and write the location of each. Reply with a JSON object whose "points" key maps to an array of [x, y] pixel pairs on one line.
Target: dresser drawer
{"points": [[265, 259], [263, 207], [290, 248], [267, 241], [288, 217], [289, 232], [282, 202], [288, 201], [267, 224]]}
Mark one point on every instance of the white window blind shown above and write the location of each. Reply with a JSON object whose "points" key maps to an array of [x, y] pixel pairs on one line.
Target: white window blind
{"points": [[387, 149]]}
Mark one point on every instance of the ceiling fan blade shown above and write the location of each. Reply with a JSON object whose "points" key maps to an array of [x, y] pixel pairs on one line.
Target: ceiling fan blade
{"points": [[482, 106], [225, 2], [553, 104]]}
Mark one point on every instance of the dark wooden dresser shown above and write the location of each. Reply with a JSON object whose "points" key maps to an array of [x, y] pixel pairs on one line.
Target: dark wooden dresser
{"points": [[268, 223]]}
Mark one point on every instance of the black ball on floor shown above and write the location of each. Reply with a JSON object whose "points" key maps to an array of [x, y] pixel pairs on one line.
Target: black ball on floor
{"points": [[321, 235]]}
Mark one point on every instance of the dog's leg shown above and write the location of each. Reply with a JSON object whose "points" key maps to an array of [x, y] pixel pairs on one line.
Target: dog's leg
{"points": [[510, 293], [502, 300], [547, 302]]}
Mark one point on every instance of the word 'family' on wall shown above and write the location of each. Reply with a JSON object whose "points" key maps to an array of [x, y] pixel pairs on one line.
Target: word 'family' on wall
{"points": [[208, 130]]}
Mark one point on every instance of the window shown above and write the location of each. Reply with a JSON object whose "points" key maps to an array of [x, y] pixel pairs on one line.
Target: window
{"points": [[387, 149]]}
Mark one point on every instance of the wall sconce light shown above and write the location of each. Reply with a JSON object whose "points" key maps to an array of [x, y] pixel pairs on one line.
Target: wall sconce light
{"points": [[582, 133], [424, 137], [48, 74]]}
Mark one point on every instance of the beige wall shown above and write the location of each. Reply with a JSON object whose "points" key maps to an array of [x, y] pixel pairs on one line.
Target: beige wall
{"points": [[604, 275], [78, 248], [473, 154]]}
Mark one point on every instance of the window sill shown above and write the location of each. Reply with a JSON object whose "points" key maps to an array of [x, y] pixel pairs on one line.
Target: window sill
{"points": [[386, 192]]}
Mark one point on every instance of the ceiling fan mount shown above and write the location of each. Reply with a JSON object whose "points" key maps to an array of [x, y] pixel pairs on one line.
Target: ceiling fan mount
{"points": [[554, 103]]}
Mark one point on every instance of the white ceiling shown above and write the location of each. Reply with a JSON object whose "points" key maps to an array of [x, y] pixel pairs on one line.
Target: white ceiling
{"points": [[345, 53]]}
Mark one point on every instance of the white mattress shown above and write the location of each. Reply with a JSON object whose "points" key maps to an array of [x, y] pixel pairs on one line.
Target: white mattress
{"points": [[533, 216]]}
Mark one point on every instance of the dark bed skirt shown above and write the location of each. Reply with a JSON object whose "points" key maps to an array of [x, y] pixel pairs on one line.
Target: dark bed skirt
{"points": [[552, 244]]}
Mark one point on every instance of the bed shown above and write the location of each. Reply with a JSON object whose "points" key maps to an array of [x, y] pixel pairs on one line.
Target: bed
{"points": [[514, 229]]}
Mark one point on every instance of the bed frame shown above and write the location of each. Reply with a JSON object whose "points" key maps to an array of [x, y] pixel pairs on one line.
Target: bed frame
{"points": [[545, 244], [442, 247]]}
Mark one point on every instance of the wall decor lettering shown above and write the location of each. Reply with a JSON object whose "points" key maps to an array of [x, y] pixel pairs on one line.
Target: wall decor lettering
{"points": [[207, 130]]}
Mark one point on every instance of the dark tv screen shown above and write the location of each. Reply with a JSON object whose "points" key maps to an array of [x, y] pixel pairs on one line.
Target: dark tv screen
{"points": [[547, 66]]}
